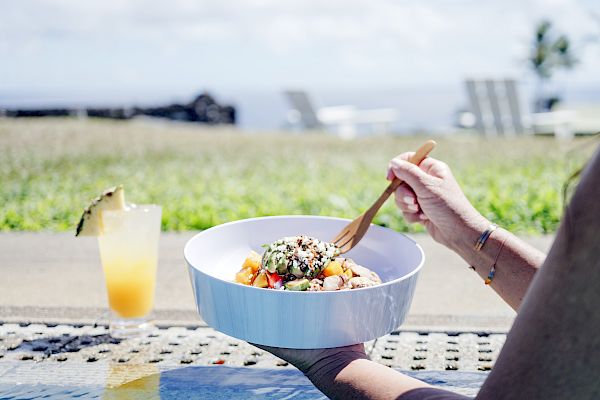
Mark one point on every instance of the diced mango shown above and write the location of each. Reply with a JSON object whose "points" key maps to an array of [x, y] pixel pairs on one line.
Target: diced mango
{"points": [[261, 280], [348, 273], [252, 261], [245, 276], [333, 268]]}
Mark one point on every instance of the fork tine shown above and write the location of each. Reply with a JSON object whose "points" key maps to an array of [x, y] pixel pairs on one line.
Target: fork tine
{"points": [[348, 232], [345, 249], [356, 235], [346, 241], [360, 232], [341, 235]]}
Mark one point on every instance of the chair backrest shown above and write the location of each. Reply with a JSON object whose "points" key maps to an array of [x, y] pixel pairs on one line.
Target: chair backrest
{"points": [[495, 105], [301, 103]]}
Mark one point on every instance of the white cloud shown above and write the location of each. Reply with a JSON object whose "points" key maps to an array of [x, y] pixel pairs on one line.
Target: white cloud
{"points": [[276, 42]]}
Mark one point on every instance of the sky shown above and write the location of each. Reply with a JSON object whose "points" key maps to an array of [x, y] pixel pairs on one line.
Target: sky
{"points": [[133, 47]]}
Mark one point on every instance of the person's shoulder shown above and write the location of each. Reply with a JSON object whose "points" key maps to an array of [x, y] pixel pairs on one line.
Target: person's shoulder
{"points": [[589, 184]]}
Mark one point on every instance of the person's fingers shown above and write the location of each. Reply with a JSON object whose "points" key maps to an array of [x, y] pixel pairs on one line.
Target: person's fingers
{"points": [[427, 161], [407, 208], [298, 358], [405, 194], [406, 155], [263, 347], [435, 167], [390, 173], [273, 350], [406, 200], [414, 176], [412, 218], [429, 164]]}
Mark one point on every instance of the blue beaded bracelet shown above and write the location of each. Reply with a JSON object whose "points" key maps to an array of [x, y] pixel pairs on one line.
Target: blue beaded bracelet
{"points": [[484, 236], [492, 273]]}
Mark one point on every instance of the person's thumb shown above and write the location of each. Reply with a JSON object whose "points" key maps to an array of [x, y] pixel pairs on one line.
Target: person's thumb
{"points": [[410, 173]]}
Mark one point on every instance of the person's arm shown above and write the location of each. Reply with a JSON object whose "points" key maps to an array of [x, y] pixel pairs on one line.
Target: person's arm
{"points": [[553, 348], [347, 373], [430, 195]]}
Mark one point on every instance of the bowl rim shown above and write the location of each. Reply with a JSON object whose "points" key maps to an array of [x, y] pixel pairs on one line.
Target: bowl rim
{"points": [[293, 292]]}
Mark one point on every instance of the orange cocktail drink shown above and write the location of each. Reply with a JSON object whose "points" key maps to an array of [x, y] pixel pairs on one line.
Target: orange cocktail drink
{"points": [[129, 254]]}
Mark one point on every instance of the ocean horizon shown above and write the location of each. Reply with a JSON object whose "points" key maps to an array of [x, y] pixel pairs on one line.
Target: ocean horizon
{"points": [[420, 108]]}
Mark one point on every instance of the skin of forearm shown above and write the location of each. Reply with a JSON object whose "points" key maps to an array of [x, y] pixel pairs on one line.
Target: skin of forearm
{"points": [[361, 378], [516, 265]]}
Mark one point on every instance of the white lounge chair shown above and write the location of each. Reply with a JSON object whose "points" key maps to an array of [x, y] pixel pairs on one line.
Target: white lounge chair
{"points": [[497, 112], [342, 120]]}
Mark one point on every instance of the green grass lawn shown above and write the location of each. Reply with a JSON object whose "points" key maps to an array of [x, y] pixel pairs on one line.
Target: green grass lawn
{"points": [[51, 168]]}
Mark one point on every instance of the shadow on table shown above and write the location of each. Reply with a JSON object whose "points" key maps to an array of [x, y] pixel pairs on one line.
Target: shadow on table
{"points": [[217, 383], [200, 382], [255, 383], [66, 343]]}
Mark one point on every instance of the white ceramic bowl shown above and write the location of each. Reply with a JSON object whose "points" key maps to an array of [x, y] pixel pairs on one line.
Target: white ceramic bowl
{"points": [[301, 320]]}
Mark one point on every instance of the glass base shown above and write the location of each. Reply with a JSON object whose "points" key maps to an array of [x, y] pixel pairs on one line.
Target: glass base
{"points": [[123, 328]]}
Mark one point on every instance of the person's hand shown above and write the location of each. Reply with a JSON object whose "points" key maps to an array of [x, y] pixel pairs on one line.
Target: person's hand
{"points": [[431, 196], [347, 373], [318, 363]]}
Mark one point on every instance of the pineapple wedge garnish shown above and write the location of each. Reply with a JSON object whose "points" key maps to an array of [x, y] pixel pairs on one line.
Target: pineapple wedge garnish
{"points": [[90, 223]]}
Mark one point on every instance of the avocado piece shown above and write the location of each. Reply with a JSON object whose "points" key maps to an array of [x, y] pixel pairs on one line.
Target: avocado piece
{"points": [[282, 266], [298, 284], [274, 261], [269, 262], [295, 269]]}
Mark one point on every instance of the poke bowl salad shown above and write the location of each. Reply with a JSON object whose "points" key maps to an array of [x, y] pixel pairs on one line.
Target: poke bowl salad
{"points": [[304, 263]]}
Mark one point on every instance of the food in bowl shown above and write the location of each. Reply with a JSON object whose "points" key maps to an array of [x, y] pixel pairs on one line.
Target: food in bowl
{"points": [[301, 320], [304, 263]]}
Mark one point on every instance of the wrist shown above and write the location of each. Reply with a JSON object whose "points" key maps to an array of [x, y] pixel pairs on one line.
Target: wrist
{"points": [[324, 370], [467, 233]]}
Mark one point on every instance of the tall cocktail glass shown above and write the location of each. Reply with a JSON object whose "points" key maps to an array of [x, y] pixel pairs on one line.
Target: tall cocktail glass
{"points": [[129, 253]]}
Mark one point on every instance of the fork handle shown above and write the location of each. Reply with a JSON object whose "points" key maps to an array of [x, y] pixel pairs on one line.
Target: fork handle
{"points": [[416, 159]]}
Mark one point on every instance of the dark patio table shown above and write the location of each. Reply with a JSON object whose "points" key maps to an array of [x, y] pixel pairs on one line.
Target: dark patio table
{"points": [[194, 362]]}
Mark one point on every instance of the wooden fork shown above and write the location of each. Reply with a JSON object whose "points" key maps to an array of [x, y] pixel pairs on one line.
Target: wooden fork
{"points": [[355, 230]]}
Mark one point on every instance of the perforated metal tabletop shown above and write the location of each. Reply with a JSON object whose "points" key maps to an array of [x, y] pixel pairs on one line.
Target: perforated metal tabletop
{"points": [[78, 360], [192, 345]]}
